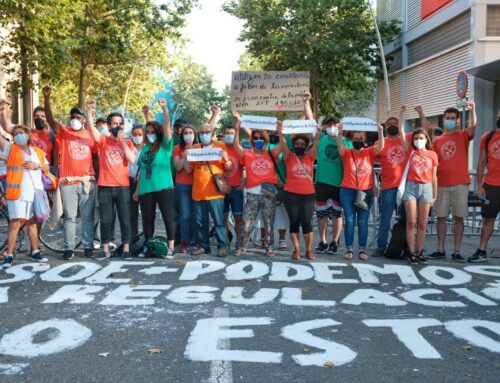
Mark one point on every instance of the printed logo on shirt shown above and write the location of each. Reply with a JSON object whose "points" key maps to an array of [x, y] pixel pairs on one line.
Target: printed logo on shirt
{"points": [[78, 150], [448, 150], [494, 149], [39, 143], [396, 154], [261, 166], [332, 152], [362, 167], [298, 171], [420, 164], [114, 155], [233, 168]]}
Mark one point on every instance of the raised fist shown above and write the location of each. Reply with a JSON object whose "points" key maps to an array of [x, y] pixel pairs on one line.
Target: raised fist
{"points": [[46, 90]]}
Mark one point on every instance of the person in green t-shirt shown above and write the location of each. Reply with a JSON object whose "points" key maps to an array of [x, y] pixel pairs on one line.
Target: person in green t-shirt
{"points": [[329, 173]]}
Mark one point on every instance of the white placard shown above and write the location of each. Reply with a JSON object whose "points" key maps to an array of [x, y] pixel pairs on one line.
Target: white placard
{"points": [[300, 126], [204, 154], [259, 122], [359, 124]]}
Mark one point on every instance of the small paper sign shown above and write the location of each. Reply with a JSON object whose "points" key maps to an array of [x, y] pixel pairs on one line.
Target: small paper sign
{"points": [[259, 122], [359, 124], [300, 126], [204, 154]]}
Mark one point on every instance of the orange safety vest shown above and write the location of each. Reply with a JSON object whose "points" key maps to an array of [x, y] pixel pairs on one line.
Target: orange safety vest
{"points": [[15, 171]]}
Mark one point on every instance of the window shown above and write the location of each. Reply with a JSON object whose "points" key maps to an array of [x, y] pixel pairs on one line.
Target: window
{"points": [[493, 20]]}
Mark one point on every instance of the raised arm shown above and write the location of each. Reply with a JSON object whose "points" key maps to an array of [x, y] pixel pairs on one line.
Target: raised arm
{"points": [[307, 106], [381, 140], [213, 117], [146, 113], [340, 140], [423, 120], [4, 123], [284, 147], [471, 130], [166, 119], [236, 142], [2, 144], [314, 147], [96, 135], [55, 126], [129, 153], [402, 134]]}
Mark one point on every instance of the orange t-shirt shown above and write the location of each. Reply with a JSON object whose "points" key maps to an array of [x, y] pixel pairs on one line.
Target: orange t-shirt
{"points": [[493, 176], [203, 185], [41, 139], [235, 172], [363, 166], [421, 166], [393, 159], [260, 168], [296, 179], [75, 151], [113, 164], [452, 150], [181, 177]]}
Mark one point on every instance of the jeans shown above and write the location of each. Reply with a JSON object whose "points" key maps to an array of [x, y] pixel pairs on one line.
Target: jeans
{"points": [[352, 215], [202, 227], [387, 206], [183, 194], [165, 199], [110, 198], [75, 199]]}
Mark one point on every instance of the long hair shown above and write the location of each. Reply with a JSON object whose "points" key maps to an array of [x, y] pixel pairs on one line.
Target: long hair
{"points": [[428, 144], [158, 128], [182, 143]]}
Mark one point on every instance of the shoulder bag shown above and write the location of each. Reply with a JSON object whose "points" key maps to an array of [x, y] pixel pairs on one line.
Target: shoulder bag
{"points": [[220, 181]]}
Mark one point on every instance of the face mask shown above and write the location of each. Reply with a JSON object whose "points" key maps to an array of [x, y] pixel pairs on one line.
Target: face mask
{"points": [[229, 139], [498, 123], [188, 138], [258, 144], [103, 129], [358, 145], [21, 139], [299, 151], [332, 131], [152, 138], [137, 140], [39, 123], [274, 139], [419, 143], [116, 130], [393, 130], [206, 138], [450, 124], [75, 124]]}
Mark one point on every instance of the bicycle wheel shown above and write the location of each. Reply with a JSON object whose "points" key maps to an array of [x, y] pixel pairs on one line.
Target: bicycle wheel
{"points": [[53, 239], [4, 227]]}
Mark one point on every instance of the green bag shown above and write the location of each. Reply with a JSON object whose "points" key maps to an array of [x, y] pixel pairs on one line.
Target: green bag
{"points": [[157, 246]]}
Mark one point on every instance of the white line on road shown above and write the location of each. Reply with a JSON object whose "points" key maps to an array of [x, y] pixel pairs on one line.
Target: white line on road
{"points": [[221, 371]]}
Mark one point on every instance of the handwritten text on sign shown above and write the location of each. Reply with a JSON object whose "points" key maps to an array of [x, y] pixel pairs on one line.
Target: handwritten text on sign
{"points": [[269, 90], [359, 124], [300, 126], [259, 122], [205, 154]]}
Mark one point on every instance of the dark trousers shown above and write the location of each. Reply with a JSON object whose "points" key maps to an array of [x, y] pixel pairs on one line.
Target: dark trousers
{"points": [[165, 199], [134, 210], [300, 209], [110, 198]]}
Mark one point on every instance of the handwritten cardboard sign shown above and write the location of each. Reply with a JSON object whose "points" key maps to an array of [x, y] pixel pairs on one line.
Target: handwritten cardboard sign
{"points": [[275, 91], [300, 126], [259, 122], [359, 124], [204, 154]]}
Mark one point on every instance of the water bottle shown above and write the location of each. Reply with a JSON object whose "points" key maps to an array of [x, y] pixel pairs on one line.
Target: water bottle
{"points": [[485, 201]]}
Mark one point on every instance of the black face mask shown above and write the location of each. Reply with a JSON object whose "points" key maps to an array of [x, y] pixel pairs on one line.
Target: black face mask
{"points": [[358, 145], [392, 130], [274, 139], [299, 151], [39, 123], [116, 130], [498, 123]]}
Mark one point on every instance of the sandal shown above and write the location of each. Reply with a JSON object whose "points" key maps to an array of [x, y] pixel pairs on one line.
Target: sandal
{"points": [[270, 252], [412, 258], [421, 258], [296, 254], [310, 255], [349, 255], [239, 251], [363, 256]]}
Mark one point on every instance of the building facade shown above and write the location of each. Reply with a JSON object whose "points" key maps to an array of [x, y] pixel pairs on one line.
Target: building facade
{"points": [[439, 39]]}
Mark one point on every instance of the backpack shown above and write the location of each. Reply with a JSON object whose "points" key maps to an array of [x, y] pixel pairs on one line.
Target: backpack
{"points": [[136, 246], [397, 245], [157, 246]]}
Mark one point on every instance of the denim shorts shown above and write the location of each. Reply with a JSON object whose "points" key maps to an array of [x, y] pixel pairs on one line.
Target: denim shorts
{"points": [[234, 202], [418, 192]]}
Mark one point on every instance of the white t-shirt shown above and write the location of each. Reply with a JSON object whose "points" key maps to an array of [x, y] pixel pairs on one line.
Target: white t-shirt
{"points": [[132, 167]]}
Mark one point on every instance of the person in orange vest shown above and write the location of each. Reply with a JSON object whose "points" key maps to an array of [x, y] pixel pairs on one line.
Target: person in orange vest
{"points": [[25, 163]]}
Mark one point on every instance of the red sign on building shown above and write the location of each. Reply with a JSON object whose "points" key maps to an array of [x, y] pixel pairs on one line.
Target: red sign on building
{"points": [[429, 7]]}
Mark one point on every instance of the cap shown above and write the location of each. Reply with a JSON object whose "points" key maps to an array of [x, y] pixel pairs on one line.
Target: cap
{"points": [[76, 110]]}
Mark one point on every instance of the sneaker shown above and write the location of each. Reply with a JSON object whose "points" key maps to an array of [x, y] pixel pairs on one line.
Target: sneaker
{"points": [[282, 245], [437, 255], [184, 248], [112, 246], [478, 256], [68, 254], [7, 261], [97, 245], [379, 252], [222, 252], [102, 256], [38, 257], [88, 253], [143, 253], [259, 244], [126, 255], [457, 257], [322, 248], [170, 254], [333, 247]]}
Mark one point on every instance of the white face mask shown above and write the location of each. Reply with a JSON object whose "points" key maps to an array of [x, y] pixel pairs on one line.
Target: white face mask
{"points": [[419, 143], [137, 139], [75, 124], [188, 138], [332, 131]]}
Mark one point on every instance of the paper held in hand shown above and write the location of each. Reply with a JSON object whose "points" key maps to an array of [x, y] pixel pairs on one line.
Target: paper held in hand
{"points": [[204, 154], [300, 126], [359, 124], [259, 122]]}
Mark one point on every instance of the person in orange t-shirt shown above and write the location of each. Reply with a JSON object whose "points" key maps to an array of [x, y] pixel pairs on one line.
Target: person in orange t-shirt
{"points": [[299, 194], [207, 199], [358, 175], [420, 191]]}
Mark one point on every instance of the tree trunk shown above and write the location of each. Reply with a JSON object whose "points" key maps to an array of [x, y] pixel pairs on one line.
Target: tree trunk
{"points": [[26, 90], [315, 96], [81, 83]]}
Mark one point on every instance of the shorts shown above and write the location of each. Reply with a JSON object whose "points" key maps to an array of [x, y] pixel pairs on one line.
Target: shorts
{"points": [[328, 201], [492, 208], [456, 196], [20, 209], [418, 192], [234, 202]]}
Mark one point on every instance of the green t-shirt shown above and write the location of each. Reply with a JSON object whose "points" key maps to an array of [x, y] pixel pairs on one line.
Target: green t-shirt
{"points": [[281, 164], [175, 140], [156, 170], [330, 169]]}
